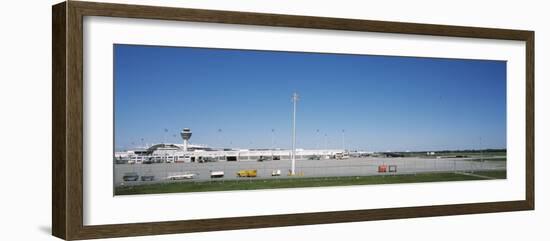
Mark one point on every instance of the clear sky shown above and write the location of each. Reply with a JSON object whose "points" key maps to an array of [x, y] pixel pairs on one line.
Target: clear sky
{"points": [[235, 98]]}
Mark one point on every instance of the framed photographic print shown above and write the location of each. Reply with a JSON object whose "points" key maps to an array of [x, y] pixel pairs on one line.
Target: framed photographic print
{"points": [[170, 120]]}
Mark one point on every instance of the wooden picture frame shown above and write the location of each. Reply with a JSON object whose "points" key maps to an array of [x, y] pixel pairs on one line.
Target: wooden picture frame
{"points": [[67, 124]]}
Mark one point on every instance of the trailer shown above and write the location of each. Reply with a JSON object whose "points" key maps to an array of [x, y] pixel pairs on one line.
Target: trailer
{"points": [[216, 174], [247, 173], [181, 176], [276, 173]]}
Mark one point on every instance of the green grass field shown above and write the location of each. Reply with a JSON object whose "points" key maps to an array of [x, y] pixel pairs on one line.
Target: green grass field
{"points": [[489, 159], [492, 174], [254, 184], [485, 153]]}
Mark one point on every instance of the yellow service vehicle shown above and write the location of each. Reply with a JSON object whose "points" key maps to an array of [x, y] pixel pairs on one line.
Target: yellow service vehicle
{"points": [[247, 173]]}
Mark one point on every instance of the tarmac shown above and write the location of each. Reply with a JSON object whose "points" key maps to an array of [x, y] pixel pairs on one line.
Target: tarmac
{"points": [[367, 166]]}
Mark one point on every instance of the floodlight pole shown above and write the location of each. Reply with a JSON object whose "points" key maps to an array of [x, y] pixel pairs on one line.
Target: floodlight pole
{"points": [[220, 138], [317, 140], [295, 99], [272, 139], [481, 149], [343, 140]]}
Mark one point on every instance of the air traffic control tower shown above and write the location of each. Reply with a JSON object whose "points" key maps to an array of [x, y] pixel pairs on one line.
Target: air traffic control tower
{"points": [[186, 135]]}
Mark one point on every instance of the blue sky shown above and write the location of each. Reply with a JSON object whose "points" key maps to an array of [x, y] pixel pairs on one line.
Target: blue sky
{"points": [[382, 103]]}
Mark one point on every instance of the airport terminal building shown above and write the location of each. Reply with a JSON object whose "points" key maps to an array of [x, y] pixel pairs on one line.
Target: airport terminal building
{"points": [[179, 153]]}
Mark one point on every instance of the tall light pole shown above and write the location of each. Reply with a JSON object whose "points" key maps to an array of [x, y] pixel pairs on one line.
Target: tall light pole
{"points": [[272, 142], [481, 149], [272, 139], [326, 141], [317, 140], [295, 99], [220, 137], [343, 140]]}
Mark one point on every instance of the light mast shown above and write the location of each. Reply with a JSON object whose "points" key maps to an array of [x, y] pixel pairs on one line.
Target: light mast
{"points": [[295, 99]]}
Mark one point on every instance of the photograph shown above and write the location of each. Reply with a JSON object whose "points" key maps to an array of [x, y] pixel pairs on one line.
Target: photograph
{"points": [[180, 120], [189, 119]]}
